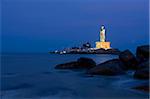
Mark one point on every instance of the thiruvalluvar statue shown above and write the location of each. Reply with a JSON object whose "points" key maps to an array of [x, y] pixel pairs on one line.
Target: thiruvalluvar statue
{"points": [[102, 43], [102, 34]]}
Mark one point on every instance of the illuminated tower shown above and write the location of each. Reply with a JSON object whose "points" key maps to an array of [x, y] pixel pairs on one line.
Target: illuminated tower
{"points": [[102, 43]]}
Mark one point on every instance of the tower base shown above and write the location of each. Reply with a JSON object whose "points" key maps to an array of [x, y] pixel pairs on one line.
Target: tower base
{"points": [[104, 45]]}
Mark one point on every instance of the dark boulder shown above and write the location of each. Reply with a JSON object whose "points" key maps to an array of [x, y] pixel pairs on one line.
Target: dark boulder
{"points": [[144, 64], [69, 65], [86, 62], [142, 73], [128, 59], [81, 63], [142, 52], [111, 67], [144, 88], [108, 51]]}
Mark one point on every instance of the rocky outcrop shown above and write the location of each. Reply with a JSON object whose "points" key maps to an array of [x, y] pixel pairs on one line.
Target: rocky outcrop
{"points": [[142, 73], [142, 52], [69, 65], [144, 64], [128, 59], [81, 63], [111, 67], [108, 51], [142, 55], [143, 87], [86, 62]]}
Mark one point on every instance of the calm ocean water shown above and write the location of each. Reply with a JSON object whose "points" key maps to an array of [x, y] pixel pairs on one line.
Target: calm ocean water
{"points": [[33, 76]]}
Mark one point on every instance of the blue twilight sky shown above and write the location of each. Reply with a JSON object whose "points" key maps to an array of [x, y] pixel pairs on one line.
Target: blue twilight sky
{"points": [[43, 25]]}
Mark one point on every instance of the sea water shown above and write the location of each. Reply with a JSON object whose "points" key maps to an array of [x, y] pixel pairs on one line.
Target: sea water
{"points": [[33, 76]]}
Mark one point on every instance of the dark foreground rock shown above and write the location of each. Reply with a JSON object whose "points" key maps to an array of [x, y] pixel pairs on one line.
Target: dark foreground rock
{"points": [[128, 59], [81, 63], [111, 67], [69, 65], [86, 62], [142, 52], [144, 64], [144, 88], [142, 73]]}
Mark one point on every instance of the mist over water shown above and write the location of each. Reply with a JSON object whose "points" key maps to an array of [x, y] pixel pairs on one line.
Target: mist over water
{"points": [[34, 76]]}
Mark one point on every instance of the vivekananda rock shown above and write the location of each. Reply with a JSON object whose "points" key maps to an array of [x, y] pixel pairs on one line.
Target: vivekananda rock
{"points": [[102, 47]]}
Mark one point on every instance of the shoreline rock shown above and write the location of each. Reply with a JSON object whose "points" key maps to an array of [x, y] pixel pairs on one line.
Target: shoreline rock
{"points": [[144, 88], [81, 63], [110, 67], [144, 64], [142, 52], [128, 59], [142, 73]]}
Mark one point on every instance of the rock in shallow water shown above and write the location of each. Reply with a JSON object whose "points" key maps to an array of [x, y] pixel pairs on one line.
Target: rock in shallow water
{"points": [[144, 64], [142, 52], [86, 62], [144, 88], [128, 59], [81, 63], [111, 67], [142, 73], [69, 65]]}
